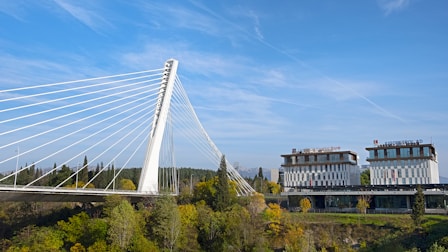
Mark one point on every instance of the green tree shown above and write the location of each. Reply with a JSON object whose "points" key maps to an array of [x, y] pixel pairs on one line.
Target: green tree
{"points": [[365, 177], [139, 243], [223, 196], [305, 205], [437, 248], [74, 228], [210, 228], [418, 209], [165, 222], [237, 233], [33, 238], [61, 175], [83, 174], [98, 246], [123, 225]]}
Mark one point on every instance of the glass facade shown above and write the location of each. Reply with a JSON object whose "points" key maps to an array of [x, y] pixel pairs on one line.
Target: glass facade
{"points": [[405, 152], [416, 152], [426, 152], [391, 201], [391, 153], [435, 201]]}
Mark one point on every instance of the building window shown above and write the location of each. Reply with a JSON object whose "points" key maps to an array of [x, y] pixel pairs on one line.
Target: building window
{"points": [[416, 152], [391, 153], [426, 152], [405, 152]]}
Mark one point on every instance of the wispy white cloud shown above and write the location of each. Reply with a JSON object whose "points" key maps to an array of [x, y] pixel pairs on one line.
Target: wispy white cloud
{"points": [[15, 9], [256, 21], [89, 17], [389, 6], [171, 15]]}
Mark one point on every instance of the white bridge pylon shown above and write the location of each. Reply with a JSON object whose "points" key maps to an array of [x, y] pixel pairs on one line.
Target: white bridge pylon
{"points": [[149, 182], [108, 119], [149, 177]]}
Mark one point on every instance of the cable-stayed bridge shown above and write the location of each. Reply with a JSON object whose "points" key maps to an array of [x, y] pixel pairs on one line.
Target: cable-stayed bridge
{"points": [[70, 141]]}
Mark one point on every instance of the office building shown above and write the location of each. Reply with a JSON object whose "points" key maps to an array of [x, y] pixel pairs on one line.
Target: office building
{"points": [[320, 167], [403, 163]]}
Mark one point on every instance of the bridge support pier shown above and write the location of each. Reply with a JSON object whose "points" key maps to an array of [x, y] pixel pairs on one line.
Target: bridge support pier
{"points": [[149, 178]]}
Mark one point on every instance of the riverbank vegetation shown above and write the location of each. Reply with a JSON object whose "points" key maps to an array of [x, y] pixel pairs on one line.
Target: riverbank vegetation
{"points": [[210, 217]]}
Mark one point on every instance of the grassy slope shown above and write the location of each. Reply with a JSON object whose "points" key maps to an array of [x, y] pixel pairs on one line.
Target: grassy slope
{"points": [[376, 232]]}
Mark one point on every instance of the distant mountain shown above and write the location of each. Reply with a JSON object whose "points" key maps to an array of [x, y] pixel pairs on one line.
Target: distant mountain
{"points": [[251, 172], [443, 180]]}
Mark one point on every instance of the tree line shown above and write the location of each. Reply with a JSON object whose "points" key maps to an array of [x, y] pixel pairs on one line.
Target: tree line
{"points": [[210, 218]]}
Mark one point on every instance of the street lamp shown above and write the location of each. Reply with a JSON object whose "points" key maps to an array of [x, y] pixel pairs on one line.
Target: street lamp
{"points": [[77, 172], [191, 183], [17, 167]]}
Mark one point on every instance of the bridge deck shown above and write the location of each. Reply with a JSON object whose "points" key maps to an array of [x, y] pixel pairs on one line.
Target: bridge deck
{"points": [[44, 194]]}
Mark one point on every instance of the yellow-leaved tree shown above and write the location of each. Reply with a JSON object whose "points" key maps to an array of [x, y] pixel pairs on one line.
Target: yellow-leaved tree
{"points": [[305, 205]]}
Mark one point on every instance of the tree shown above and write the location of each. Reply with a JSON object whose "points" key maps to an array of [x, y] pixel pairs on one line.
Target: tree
{"points": [[188, 239], [78, 247], [127, 184], [33, 238], [273, 216], [165, 222], [123, 225], [365, 177], [418, 209], [83, 174], [74, 228], [210, 228], [236, 229], [437, 248], [61, 175], [274, 188], [223, 196], [205, 191], [305, 205], [363, 203]]}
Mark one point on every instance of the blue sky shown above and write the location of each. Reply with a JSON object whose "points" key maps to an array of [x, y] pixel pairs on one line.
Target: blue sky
{"points": [[264, 77]]}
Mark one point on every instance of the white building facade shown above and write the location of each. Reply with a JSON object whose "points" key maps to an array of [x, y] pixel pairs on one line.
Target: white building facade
{"points": [[320, 167], [403, 163]]}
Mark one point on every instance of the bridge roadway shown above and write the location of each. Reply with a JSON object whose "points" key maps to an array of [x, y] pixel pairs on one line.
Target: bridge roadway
{"points": [[49, 194]]}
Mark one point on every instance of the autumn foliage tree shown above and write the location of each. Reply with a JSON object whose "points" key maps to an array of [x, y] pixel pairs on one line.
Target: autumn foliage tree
{"points": [[363, 203], [305, 205]]}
